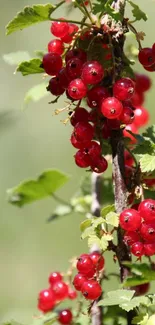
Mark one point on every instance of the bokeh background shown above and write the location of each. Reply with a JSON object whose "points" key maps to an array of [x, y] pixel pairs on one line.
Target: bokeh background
{"points": [[32, 140]]}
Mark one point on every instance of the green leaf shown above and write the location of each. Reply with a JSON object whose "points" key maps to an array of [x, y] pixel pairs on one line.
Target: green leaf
{"points": [[147, 163], [94, 240], [140, 319], [30, 67], [15, 58], [87, 232], [111, 12], [150, 133], [32, 190], [137, 12], [60, 211], [117, 297], [133, 303], [30, 16], [104, 242], [151, 320], [134, 281], [147, 146], [36, 93], [142, 273], [97, 221], [107, 209], [99, 6], [85, 224], [112, 219]]}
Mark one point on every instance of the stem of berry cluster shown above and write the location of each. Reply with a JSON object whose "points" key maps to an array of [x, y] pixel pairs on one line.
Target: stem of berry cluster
{"points": [[96, 311]]}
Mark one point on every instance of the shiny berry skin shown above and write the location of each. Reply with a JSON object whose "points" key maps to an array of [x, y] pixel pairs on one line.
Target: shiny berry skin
{"points": [[56, 46], [77, 89], [137, 249], [46, 300], [52, 63], [64, 78], [141, 116], [83, 131], [123, 89], [82, 159], [98, 260], [131, 237], [60, 289], [146, 57], [137, 98], [93, 116], [76, 53], [55, 87], [153, 48], [79, 115], [130, 220], [147, 232], [59, 28], [100, 165], [94, 150], [74, 68], [127, 116], [54, 277], [84, 264], [141, 289], [92, 72], [78, 281], [96, 95], [72, 294], [69, 36], [111, 108], [143, 82], [91, 274], [65, 317], [149, 249], [150, 69], [78, 144], [147, 210], [131, 127], [91, 289]]}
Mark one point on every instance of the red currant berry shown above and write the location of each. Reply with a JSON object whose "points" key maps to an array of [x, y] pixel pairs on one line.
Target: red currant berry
{"points": [[59, 28], [148, 232], [146, 57], [64, 78], [105, 131], [96, 95], [92, 72], [153, 48], [93, 116], [147, 210], [150, 69], [113, 124], [83, 131], [93, 150], [141, 116], [99, 165], [65, 317], [78, 281], [77, 89], [91, 289], [141, 289], [133, 129], [76, 53], [98, 260], [69, 37], [149, 182], [137, 98], [111, 108], [60, 289], [149, 249], [56, 46], [74, 68], [55, 87], [84, 264], [128, 159], [135, 206], [137, 249], [143, 82], [78, 144], [91, 274], [130, 220], [131, 237], [79, 115], [123, 89], [72, 294], [46, 300], [127, 116], [82, 159], [52, 63], [54, 277]]}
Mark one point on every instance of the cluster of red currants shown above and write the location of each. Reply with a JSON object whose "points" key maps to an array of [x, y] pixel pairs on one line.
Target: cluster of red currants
{"points": [[146, 57], [139, 226], [56, 293], [86, 281], [109, 108]]}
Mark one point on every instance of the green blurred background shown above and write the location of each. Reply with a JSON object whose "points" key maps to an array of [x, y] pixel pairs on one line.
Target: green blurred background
{"points": [[32, 140]]}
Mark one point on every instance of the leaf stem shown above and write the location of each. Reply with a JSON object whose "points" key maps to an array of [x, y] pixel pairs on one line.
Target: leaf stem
{"points": [[70, 21]]}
